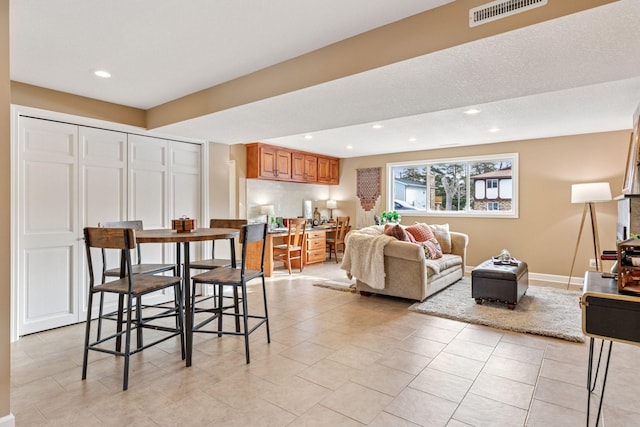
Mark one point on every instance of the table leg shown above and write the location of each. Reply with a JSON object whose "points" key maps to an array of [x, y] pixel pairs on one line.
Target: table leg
{"points": [[591, 382], [188, 309]]}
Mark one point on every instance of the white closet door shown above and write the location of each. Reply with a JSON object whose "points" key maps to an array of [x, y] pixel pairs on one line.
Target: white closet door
{"points": [[149, 191], [48, 229], [102, 192], [185, 181], [186, 161]]}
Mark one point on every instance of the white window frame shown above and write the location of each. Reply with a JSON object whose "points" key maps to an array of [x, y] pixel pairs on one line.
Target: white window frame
{"points": [[512, 213]]}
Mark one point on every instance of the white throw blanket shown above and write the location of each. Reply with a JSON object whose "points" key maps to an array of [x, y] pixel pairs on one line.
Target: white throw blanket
{"points": [[364, 256]]}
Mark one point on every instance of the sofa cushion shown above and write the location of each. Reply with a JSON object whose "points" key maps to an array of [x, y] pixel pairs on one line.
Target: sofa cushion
{"points": [[443, 263], [441, 231], [420, 232], [396, 231]]}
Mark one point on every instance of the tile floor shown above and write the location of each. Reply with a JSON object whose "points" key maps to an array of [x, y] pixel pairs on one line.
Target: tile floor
{"points": [[335, 359]]}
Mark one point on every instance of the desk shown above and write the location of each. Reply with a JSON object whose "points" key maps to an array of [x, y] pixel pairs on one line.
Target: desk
{"points": [[197, 235], [253, 251], [609, 315]]}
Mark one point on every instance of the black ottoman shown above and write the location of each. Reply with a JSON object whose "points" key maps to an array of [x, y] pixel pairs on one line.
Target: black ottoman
{"points": [[506, 283]]}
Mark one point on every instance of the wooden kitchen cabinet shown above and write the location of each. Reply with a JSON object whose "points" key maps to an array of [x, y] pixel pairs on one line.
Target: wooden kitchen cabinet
{"points": [[328, 170], [316, 246], [304, 167], [270, 162]]}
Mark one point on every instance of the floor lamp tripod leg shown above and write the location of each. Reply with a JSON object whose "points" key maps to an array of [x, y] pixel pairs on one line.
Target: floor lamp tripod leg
{"points": [[575, 252], [596, 240]]}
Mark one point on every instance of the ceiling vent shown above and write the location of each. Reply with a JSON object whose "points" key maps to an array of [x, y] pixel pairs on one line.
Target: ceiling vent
{"points": [[501, 9]]}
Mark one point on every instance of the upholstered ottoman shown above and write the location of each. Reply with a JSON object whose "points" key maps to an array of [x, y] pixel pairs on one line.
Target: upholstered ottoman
{"points": [[505, 283]]}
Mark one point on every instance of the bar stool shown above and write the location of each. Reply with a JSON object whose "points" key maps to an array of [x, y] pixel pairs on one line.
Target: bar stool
{"points": [[236, 278]]}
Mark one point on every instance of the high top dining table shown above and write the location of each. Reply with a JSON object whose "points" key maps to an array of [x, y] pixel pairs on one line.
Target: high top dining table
{"points": [[185, 238]]}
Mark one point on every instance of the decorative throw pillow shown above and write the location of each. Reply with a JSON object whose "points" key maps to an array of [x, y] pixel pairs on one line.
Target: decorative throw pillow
{"points": [[432, 249], [441, 231], [420, 232], [396, 231]]}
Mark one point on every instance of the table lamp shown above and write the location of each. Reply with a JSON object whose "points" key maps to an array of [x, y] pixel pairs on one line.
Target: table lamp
{"points": [[331, 205], [589, 193]]}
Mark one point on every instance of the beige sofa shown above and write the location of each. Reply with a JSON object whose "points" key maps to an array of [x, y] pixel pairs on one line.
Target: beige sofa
{"points": [[409, 274]]}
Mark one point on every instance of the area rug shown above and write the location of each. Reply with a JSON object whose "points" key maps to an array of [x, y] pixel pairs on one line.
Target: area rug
{"points": [[337, 286], [543, 311]]}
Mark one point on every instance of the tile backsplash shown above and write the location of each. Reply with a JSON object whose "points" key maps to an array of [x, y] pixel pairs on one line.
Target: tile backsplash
{"points": [[286, 197]]}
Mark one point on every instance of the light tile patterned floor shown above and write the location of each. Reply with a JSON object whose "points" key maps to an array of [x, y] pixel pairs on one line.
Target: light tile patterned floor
{"points": [[336, 359]]}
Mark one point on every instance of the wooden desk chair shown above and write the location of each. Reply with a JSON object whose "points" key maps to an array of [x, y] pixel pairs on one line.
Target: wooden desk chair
{"points": [[129, 286], [213, 262], [293, 246], [201, 315], [342, 225]]}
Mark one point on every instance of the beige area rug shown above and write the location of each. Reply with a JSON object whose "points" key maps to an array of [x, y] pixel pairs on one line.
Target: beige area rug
{"points": [[543, 311]]}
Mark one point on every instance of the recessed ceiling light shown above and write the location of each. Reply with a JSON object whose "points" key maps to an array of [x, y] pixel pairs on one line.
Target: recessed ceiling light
{"points": [[377, 126], [412, 139], [349, 147], [102, 73], [494, 130], [472, 111], [308, 136]]}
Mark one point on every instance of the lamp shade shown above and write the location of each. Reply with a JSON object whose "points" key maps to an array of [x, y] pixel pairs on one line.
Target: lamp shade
{"points": [[267, 210], [331, 204], [590, 192]]}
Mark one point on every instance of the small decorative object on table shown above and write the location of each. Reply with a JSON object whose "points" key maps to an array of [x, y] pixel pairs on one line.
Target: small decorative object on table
{"points": [[183, 225], [504, 258]]}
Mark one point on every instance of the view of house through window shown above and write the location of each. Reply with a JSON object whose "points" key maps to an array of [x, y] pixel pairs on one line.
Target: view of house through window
{"points": [[470, 185]]}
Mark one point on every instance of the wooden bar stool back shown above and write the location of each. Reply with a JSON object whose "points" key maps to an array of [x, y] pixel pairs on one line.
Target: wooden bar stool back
{"points": [[213, 262]]}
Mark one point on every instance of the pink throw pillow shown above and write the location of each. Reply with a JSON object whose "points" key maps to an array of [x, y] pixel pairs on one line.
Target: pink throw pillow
{"points": [[396, 231]]}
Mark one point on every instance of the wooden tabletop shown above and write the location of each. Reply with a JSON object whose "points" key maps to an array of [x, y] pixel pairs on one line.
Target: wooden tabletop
{"points": [[197, 235]]}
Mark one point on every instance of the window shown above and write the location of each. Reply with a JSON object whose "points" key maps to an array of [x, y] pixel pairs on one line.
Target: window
{"points": [[466, 186]]}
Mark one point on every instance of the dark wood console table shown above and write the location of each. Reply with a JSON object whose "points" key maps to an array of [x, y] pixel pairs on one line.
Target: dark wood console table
{"points": [[608, 315]]}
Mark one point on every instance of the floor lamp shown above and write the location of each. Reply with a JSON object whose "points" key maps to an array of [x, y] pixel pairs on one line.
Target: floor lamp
{"points": [[589, 194]]}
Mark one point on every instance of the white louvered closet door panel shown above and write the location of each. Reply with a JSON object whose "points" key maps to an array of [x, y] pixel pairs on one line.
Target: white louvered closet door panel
{"points": [[149, 191], [103, 196], [48, 226]]}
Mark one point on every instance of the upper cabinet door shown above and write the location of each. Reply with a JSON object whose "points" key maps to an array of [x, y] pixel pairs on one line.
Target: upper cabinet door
{"points": [[283, 170], [304, 167], [47, 225]]}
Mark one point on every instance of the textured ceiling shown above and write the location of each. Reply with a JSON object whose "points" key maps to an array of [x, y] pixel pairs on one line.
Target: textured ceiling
{"points": [[572, 75]]}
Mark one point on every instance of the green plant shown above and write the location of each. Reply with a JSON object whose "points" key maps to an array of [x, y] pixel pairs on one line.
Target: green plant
{"points": [[389, 217]]}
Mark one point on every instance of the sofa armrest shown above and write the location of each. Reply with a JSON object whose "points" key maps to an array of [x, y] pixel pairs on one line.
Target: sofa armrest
{"points": [[459, 242], [404, 250]]}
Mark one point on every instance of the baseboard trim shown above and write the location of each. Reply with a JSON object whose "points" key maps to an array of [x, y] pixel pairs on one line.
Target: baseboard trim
{"points": [[8, 421], [549, 279]]}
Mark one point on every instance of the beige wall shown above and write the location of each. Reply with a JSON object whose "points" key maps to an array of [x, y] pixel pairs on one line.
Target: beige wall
{"points": [[5, 216], [61, 102], [545, 233]]}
